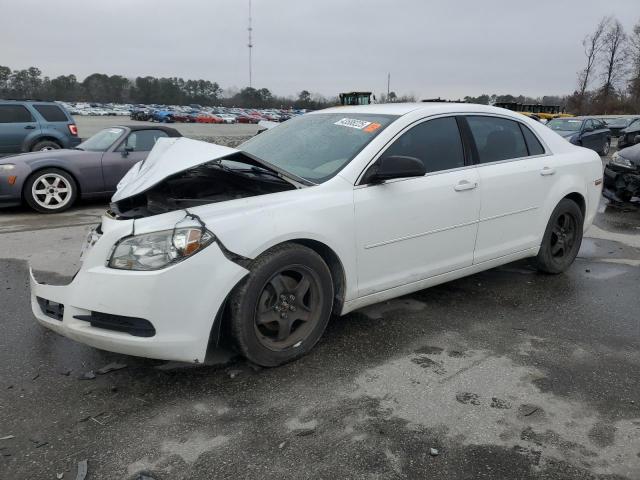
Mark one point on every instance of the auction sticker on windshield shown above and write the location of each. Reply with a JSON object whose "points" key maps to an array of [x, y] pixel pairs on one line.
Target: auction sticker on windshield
{"points": [[353, 123]]}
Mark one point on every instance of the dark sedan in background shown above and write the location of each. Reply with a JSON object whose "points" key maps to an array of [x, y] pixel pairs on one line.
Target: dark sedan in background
{"points": [[584, 131], [51, 181], [616, 125], [630, 135], [622, 175]]}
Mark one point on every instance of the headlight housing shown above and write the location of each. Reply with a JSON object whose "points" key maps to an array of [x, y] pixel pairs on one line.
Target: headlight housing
{"points": [[620, 161], [157, 250], [7, 167]]}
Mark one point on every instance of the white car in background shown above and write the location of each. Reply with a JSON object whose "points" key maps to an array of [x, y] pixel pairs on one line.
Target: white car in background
{"points": [[227, 118], [325, 213]]}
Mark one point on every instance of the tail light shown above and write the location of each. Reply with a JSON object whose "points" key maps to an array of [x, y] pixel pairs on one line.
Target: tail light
{"points": [[73, 129]]}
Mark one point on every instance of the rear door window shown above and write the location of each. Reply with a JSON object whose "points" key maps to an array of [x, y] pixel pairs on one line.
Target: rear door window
{"points": [[436, 143], [51, 113], [497, 138], [15, 114]]}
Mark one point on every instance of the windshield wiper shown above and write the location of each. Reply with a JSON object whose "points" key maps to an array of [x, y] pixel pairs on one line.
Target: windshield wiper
{"points": [[284, 173]]}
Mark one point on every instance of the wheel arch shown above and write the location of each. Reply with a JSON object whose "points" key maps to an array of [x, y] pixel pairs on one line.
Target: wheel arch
{"points": [[44, 138], [579, 199], [336, 268]]}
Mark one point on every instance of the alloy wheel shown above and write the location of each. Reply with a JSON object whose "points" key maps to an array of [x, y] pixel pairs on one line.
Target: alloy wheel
{"points": [[51, 191], [288, 308], [563, 235]]}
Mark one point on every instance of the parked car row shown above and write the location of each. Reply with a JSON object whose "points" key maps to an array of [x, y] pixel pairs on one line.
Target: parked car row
{"points": [[211, 115]]}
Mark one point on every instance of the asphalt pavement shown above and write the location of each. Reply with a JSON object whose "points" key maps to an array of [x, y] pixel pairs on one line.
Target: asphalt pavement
{"points": [[507, 374]]}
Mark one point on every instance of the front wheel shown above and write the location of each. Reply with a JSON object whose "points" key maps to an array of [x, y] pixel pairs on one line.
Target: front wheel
{"points": [[50, 191], [281, 309], [562, 238]]}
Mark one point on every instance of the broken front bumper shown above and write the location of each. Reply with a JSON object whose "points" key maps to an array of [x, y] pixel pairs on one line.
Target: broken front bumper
{"points": [[620, 186], [166, 314]]}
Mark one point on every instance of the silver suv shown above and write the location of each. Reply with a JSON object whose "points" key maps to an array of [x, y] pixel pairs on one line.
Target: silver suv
{"points": [[27, 126]]}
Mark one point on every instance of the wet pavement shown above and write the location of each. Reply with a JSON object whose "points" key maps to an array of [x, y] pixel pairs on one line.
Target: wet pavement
{"points": [[508, 374]]}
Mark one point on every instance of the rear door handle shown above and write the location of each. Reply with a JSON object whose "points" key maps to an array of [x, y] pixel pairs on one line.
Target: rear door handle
{"points": [[29, 127], [465, 185], [547, 171]]}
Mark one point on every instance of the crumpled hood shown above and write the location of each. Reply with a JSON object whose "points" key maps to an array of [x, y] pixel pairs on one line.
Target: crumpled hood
{"points": [[168, 157]]}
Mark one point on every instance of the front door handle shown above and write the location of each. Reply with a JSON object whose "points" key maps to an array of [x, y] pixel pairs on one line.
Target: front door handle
{"points": [[29, 127], [547, 171], [465, 185]]}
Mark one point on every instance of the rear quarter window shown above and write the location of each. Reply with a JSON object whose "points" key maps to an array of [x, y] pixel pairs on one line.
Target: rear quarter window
{"points": [[15, 114], [533, 144], [51, 113]]}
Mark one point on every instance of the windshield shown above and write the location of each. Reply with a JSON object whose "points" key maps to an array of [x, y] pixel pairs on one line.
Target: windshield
{"points": [[317, 146], [565, 124], [619, 122], [102, 140]]}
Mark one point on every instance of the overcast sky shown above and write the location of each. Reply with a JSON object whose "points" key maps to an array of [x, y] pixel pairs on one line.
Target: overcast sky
{"points": [[441, 48]]}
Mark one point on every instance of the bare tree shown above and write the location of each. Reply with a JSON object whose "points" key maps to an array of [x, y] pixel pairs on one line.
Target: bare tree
{"points": [[613, 59], [634, 54], [592, 44]]}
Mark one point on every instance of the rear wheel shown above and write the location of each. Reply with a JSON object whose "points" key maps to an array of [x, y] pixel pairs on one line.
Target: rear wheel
{"points": [[280, 311], [606, 148], [44, 145], [562, 238], [50, 191]]}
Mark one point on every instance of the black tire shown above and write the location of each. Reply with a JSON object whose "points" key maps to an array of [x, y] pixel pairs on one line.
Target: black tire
{"points": [[562, 238], [37, 202], [45, 145], [261, 313], [606, 148]]}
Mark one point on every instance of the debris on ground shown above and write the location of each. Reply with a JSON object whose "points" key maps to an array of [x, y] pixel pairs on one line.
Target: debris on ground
{"points": [[82, 470], [112, 367], [92, 417], [234, 373], [59, 475], [7, 437], [90, 375], [282, 445], [500, 403], [66, 372], [303, 432], [35, 376], [434, 452], [468, 398], [38, 443]]}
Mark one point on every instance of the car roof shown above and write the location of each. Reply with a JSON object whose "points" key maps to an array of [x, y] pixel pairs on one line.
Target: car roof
{"points": [[171, 132], [426, 108]]}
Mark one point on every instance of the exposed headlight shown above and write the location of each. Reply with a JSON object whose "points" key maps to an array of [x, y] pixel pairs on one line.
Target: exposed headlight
{"points": [[7, 167], [616, 159], [153, 251]]}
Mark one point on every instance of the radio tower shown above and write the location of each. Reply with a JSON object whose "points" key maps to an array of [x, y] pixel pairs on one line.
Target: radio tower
{"points": [[250, 45]]}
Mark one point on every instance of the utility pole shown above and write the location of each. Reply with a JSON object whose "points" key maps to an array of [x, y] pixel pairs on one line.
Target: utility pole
{"points": [[250, 45], [388, 84]]}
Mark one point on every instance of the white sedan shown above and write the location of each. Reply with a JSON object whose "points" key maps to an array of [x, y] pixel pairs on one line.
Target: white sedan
{"points": [[321, 215]]}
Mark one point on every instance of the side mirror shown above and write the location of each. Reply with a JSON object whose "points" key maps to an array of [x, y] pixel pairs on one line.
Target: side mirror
{"points": [[394, 166], [126, 151]]}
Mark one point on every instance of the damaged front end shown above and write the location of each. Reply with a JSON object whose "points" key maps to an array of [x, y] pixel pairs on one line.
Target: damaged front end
{"points": [[187, 173], [204, 184], [621, 180]]}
